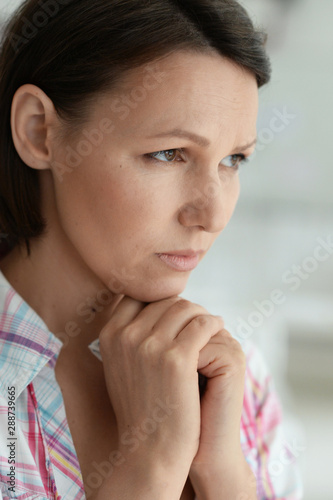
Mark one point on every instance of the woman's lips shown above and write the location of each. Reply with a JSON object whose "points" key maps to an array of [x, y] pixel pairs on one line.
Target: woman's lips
{"points": [[182, 263]]}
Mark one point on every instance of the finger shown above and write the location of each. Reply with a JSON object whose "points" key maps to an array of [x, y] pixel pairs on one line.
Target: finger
{"points": [[126, 311], [225, 358], [168, 323], [164, 319], [221, 337], [196, 335], [153, 312]]}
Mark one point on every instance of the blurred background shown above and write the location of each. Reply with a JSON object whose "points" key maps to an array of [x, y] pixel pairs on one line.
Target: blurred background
{"points": [[285, 214], [280, 241]]}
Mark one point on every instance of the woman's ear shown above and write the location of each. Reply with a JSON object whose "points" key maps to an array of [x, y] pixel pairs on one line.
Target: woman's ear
{"points": [[32, 117]]}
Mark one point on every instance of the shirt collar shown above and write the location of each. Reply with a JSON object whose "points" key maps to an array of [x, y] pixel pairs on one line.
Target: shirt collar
{"points": [[26, 343]]}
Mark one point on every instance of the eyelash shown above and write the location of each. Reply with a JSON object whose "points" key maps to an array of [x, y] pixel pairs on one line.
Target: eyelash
{"points": [[242, 159]]}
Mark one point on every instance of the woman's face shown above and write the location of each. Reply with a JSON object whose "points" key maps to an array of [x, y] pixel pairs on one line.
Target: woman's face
{"points": [[145, 188]]}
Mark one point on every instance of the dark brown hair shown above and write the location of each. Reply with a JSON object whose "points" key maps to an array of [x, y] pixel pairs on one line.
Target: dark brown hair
{"points": [[74, 49]]}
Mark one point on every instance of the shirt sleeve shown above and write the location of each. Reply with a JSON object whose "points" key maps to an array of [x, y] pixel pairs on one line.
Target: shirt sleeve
{"points": [[273, 458]]}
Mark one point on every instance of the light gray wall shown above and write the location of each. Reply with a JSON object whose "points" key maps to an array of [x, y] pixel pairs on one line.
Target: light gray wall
{"points": [[7, 6]]}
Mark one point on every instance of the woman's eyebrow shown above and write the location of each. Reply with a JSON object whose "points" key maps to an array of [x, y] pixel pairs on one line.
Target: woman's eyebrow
{"points": [[198, 139], [246, 146], [184, 134]]}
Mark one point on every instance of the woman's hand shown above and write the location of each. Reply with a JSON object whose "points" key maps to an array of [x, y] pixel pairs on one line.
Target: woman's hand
{"points": [[223, 362], [151, 354], [219, 469]]}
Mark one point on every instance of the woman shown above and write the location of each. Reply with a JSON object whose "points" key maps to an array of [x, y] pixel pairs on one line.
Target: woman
{"points": [[123, 126]]}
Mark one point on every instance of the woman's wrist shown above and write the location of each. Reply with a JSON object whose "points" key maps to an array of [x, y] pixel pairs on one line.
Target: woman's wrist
{"points": [[224, 480], [142, 479]]}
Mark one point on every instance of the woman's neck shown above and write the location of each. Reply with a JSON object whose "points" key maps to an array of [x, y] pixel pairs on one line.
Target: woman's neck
{"points": [[70, 299]]}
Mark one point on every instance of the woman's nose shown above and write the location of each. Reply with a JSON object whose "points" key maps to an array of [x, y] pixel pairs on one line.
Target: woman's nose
{"points": [[208, 206]]}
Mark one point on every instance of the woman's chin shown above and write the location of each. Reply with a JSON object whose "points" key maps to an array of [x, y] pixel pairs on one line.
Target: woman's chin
{"points": [[155, 293]]}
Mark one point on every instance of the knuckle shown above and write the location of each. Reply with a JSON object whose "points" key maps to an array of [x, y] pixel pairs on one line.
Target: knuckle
{"points": [[186, 305], [128, 336], [227, 339], [231, 351], [238, 355], [235, 345], [182, 304], [220, 322], [173, 358], [202, 321], [150, 347], [226, 334]]}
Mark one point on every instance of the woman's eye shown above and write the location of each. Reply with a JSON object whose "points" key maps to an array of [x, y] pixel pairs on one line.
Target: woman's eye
{"points": [[172, 155], [234, 161], [167, 156]]}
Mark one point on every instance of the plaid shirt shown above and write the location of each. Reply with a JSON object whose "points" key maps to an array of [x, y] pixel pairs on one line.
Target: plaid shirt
{"points": [[37, 455]]}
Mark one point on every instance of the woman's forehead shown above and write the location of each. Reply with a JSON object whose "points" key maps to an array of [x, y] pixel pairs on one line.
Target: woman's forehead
{"points": [[180, 90]]}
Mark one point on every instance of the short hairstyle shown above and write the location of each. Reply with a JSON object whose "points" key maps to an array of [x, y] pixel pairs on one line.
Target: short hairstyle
{"points": [[75, 49]]}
